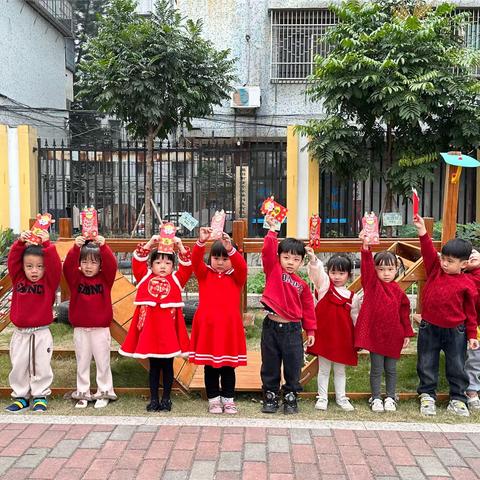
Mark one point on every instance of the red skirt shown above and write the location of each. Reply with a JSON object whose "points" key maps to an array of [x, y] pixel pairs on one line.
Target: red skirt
{"points": [[334, 338], [218, 341], [156, 332]]}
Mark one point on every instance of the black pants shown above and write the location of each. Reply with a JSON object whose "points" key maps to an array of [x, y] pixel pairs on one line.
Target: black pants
{"points": [[166, 366], [281, 343], [215, 376], [453, 342]]}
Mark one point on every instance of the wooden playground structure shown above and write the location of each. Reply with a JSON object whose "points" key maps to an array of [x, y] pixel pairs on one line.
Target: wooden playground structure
{"points": [[188, 377]]}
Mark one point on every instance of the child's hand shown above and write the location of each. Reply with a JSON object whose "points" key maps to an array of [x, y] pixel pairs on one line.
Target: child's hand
{"points": [[473, 344], [178, 243], [312, 258], [310, 340], [363, 237], [43, 234], [80, 241], [100, 240], [406, 342], [204, 234], [417, 318], [227, 242], [152, 241], [271, 221], [25, 236], [419, 225]]}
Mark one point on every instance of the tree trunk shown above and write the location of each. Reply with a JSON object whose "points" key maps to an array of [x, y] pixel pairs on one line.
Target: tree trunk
{"points": [[148, 183], [388, 201]]}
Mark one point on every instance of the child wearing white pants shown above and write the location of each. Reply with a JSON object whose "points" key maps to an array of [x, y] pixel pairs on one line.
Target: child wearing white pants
{"points": [[90, 268]]}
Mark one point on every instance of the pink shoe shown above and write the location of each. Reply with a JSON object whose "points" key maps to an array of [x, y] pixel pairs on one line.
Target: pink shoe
{"points": [[215, 407], [230, 408]]}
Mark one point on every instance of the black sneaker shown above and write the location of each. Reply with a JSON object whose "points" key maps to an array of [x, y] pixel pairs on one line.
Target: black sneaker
{"points": [[290, 403], [165, 405], [270, 402], [153, 406]]}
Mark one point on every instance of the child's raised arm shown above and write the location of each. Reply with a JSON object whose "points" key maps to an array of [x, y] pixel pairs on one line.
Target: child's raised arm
{"points": [[238, 262], [53, 264], [72, 260], [14, 261], [109, 262], [429, 254], [316, 273], [199, 267], [270, 249], [184, 271], [367, 265], [140, 258]]}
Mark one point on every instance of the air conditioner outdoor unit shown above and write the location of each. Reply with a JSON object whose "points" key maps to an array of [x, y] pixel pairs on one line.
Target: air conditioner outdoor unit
{"points": [[245, 97]]}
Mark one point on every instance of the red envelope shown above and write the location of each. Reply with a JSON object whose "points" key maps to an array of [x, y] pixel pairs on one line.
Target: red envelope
{"points": [[370, 228], [416, 201], [89, 219], [167, 234], [314, 231], [274, 209], [42, 222], [218, 224]]}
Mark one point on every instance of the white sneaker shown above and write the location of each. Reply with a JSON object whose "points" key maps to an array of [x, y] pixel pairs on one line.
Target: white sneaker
{"points": [[81, 403], [376, 405], [427, 405], [390, 405], [321, 403], [101, 403], [345, 404]]}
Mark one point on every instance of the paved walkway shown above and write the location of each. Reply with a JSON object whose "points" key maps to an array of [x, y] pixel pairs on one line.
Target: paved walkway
{"points": [[197, 448]]}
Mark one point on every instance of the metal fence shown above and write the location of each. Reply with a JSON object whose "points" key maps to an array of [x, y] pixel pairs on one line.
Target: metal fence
{"points": [[342, 204], [198, 179]]}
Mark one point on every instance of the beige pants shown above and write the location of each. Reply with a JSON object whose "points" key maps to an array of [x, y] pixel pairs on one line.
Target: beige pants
{"points": [[93, 342], [31, 354]]}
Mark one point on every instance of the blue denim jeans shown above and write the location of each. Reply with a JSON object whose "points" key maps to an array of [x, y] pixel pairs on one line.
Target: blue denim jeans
{"points": [[453, 342]]}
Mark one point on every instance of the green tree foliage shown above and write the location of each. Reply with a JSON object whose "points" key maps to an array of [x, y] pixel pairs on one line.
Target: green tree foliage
{"points": [[396, 84], [153, 72]]}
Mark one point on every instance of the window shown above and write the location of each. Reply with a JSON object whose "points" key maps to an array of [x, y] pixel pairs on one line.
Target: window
{"points": [[472, 31], [297, 36]]}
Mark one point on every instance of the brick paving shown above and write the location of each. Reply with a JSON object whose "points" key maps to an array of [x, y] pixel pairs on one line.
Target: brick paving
{"points": [[198, 451]]}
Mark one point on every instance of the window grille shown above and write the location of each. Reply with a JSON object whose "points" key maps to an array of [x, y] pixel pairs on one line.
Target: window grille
{"points": [[472, 31], [60, 12], [297, 36]]}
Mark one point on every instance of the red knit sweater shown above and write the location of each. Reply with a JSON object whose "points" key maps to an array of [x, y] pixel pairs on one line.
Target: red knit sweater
{"points": [[384, 318], [90, 299], [287, 295], [448, 300], [32, 302]]}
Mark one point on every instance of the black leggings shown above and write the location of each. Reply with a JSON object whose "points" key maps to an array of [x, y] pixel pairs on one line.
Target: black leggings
{"points": [[166, 366], [212, 381]]}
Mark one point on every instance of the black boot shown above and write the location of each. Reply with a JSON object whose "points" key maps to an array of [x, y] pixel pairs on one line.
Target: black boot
{"points": [[153, 406], [290, 403], [165, 405], [270, 402]]}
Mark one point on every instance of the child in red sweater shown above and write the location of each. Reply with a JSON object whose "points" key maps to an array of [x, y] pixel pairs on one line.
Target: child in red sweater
{"points": [[383, 326], [35, 271], [158, 330], [336, 311], [218, 337], [90, 269], [449, 321], [289, 305]]}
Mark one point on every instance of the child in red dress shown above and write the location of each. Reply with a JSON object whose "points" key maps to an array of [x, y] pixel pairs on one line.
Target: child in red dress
{"points": [[158, 330], [90, 268], [383, 326], [336, 311], [218, 336]]}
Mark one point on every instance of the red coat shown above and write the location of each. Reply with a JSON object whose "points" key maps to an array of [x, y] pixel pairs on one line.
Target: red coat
{"points": [[90, 297], [334, 338], [287, 295], [32, 302], [158, 327], [218, 337], [384, 319]]}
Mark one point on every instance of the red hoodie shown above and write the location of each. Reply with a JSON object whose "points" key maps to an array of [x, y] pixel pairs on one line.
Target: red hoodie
{"points": [[287, 295], [32, 302], [448, 300], [90, 299]]}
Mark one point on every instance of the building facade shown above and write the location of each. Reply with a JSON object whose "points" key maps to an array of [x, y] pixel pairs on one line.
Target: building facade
{"points": [[37, 64]]}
